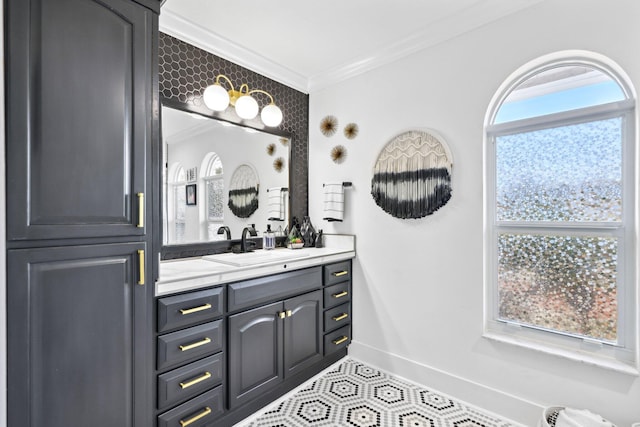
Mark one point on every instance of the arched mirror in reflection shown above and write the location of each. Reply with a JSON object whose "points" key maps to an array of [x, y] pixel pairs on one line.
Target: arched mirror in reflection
{"points": [[201, 155]]}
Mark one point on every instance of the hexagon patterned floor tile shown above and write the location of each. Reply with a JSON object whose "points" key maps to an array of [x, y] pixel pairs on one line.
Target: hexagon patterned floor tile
{"points": [[356, 395]]}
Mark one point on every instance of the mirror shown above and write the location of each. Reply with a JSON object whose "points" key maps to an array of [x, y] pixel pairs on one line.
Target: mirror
{"points": [[220, 174]]}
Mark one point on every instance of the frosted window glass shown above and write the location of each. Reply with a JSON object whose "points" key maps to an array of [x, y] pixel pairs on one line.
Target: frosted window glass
{"points": [[568, 173], [562, 283], [215, 199]]}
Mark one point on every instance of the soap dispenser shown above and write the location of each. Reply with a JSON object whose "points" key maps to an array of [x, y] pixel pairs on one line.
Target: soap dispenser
{"points": [[269, 240]]}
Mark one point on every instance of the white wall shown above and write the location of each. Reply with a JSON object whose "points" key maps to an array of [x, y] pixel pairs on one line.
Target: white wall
{"points": [[418, 284]]}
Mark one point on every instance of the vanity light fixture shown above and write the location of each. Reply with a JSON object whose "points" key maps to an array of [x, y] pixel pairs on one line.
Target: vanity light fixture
{"points": [[218, 98]]}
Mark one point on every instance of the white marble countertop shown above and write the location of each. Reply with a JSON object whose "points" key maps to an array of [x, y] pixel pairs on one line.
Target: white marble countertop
{"points": [[193, 273]]}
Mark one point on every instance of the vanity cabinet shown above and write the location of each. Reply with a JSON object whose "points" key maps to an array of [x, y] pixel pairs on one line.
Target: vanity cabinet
{"points": [[337, 306], [80, 81], [254, 339], [272, 343], [190, 357]]}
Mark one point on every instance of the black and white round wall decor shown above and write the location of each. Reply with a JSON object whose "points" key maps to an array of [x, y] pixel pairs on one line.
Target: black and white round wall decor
{"points": [[243, 191], [412, 176]]}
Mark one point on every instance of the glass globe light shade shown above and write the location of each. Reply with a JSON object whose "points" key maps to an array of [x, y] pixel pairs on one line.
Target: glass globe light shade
{"points": [[271, 115], [216, 97], [247, 107]]}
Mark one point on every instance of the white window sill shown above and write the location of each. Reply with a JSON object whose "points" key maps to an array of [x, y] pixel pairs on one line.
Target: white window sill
{"points": [[602, 362]]}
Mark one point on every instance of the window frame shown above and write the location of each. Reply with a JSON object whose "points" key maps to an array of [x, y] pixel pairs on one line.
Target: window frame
{"points": [[622, 356]]}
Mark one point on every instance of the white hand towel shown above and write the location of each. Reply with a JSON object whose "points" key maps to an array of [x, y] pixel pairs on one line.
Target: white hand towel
{"points": [[333, 202], [275, 204], [570, 417]]}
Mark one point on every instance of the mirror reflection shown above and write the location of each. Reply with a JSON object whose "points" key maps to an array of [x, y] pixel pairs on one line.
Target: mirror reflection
{"points": [[220, 178]]}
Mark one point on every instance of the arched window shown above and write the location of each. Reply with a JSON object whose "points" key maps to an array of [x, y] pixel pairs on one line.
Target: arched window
{"points": [[212, 175], [560, 211], [176, 203]]}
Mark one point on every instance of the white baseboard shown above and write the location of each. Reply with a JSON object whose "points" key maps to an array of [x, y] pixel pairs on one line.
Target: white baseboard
{"points": [[503, 404]]}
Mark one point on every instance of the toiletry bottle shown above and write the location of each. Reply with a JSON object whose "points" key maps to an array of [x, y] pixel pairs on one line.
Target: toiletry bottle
{"points": [[269, 241]]}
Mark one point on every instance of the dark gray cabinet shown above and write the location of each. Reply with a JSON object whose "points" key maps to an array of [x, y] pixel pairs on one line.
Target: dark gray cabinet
{"points": [[337, 306], [255, 343], [81, 86], [302, 332], [270, 343], [75, 316], [79, 120]]}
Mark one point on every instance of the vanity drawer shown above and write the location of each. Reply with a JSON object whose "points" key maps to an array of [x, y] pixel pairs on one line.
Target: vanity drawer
{"points": [[336, 294], [180, 384], [336, 273], [197, 412], [189, 309], [337, 340], [337, 317], [190, 344], [271, 288]]}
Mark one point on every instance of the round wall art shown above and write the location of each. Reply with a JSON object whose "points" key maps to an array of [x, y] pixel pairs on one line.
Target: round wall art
{"points": [[412, 176], [243, 191]]}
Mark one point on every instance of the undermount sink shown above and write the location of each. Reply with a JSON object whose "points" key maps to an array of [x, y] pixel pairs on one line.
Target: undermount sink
{"points": [[256, 257]]}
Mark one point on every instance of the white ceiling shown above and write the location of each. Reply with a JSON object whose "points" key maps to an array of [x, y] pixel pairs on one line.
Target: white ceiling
{"points": [[309, 45]]}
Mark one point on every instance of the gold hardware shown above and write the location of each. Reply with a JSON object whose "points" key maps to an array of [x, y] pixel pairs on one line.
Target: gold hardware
{"points": [[282, 315], [341, 317], [140, 210], [243, 90], [141, 267], [340, 340], [195, 344], [341, 273], [188, 384], [185, 423], [289, 313], [195, 309], [341, 294]]}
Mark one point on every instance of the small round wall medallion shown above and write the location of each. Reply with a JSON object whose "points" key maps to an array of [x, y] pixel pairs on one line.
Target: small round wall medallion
{"points": [[278, 164], [271, 148], [351, 131], [329, 126], [338, 154]]}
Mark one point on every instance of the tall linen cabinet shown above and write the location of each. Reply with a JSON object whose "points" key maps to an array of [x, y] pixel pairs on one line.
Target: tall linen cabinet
{"points": [[81, 144]]}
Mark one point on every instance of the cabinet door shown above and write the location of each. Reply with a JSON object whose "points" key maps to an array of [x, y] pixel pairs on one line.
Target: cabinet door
{"points": [[302, 332], [76, 336], [78, 118], [255, 349]]}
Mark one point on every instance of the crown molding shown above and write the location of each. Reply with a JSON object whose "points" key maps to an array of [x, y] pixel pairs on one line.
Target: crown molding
{"points": [[185, 30], [471, 18]]}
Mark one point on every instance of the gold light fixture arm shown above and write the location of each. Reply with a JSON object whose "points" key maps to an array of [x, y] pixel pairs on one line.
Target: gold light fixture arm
{"points": [[222, 76], [262, 91]]}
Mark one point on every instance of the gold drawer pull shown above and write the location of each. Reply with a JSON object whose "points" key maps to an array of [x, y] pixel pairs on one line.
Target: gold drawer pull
{"points": [[340, 340], [289, 313], [341, 273], [341, 294], [185, 423], [195, 344], [341, 317], [141, 267], [282, 314], [195, 309], [140, 210], [188, 384]]}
